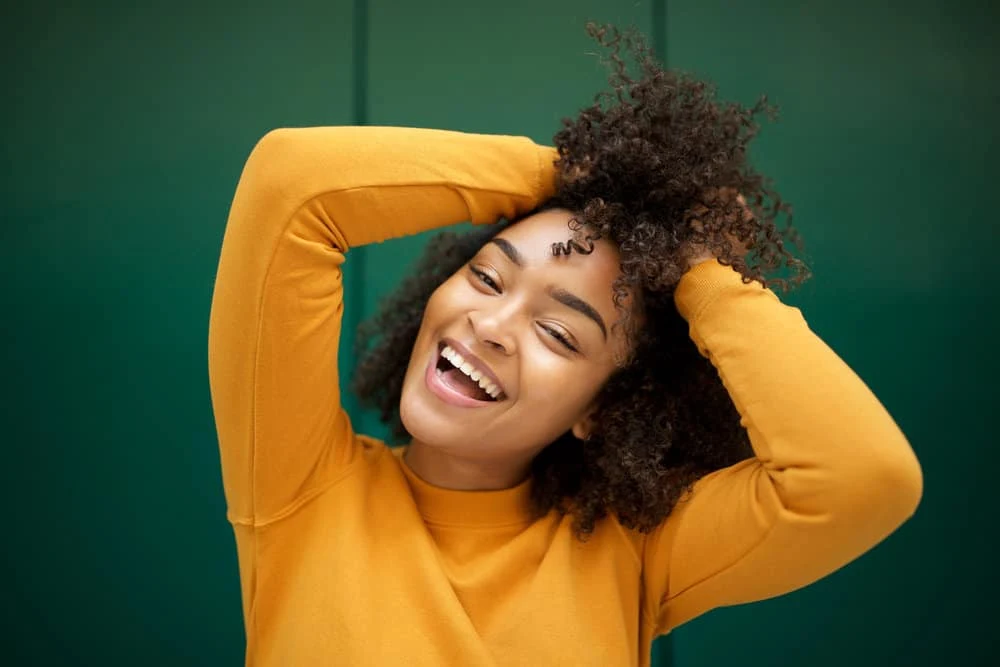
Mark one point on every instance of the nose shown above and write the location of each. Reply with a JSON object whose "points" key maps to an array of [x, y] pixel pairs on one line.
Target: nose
{"points": [[494, 328]]}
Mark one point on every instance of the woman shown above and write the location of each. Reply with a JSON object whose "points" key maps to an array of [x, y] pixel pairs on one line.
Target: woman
{"points": [[613, 424]]}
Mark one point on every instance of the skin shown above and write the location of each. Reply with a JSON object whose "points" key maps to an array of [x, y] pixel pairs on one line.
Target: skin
{"points": [[505, 315]]}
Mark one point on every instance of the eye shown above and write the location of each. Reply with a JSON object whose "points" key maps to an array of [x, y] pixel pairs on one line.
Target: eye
{"points": [[559, 336], [485, 279]]}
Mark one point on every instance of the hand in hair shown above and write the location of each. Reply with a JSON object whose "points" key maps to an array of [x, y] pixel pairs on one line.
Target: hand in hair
{"points": [[733, 211]]}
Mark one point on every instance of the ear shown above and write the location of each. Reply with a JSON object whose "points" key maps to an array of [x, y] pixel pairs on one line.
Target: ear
{"points": [[585, 424]]}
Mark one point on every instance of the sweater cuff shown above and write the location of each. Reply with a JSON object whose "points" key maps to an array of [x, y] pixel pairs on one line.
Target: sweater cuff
{"points": [[703, 283]]}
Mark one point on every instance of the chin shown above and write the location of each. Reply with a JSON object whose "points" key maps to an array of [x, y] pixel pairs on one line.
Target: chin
{"points": [[418, 418], [411, 422], [424, 420], [423, 425]]}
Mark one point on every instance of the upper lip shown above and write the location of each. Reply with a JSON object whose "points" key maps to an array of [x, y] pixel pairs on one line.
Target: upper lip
{"points": [[478, 363]]}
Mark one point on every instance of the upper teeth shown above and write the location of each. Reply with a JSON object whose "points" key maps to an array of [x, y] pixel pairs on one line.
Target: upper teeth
{"points": [[477, 376]]}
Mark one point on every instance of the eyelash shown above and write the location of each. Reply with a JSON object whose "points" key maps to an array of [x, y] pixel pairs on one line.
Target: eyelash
{"points": [[559, 337], [484, 278]]}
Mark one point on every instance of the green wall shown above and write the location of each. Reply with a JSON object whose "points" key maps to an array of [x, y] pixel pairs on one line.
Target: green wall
{"points": [[125, 128]]}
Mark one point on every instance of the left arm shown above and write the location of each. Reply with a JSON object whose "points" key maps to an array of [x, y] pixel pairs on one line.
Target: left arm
{"points": [[832, 474]]}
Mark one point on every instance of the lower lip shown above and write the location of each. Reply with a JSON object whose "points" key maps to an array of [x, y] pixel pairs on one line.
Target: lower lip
{"points": [[437, 387]]}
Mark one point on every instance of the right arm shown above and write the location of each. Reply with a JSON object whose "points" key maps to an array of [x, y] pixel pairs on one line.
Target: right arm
{"points": [[305, 197]]}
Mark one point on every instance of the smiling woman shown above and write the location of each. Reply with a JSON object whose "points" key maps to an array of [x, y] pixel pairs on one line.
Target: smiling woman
{"points": [[608, 432], [512, 312]]}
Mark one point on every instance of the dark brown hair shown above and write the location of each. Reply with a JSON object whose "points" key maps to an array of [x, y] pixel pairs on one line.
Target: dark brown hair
{"points": [[646, 166]]}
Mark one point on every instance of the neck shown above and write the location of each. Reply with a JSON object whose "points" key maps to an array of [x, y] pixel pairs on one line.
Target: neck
{"points": [[449, 471]]}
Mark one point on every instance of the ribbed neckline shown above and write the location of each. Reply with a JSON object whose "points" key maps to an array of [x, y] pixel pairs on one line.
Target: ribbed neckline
{"points": [[468, 509]]}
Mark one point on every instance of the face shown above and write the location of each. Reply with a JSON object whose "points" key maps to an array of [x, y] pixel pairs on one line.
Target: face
{"points": [[534, 329]]}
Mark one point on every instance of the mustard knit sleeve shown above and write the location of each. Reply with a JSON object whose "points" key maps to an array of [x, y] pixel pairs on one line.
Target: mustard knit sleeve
{"points": [[832, 474], [304, 198]]}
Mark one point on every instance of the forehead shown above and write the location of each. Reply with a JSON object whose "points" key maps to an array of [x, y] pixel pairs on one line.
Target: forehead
{"points": [[534, 236]]}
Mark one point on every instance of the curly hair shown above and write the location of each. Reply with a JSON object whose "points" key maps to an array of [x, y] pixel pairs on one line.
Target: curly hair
{"points": [[647, 166]]}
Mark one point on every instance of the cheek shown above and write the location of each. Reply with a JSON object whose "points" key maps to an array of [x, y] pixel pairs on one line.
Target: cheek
{"points": [[438, 312], [447, 300], [553, 398], [559, 386]]}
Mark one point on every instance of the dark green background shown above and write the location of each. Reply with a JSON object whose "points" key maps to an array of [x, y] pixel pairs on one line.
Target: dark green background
{"points": [[125, 129]]}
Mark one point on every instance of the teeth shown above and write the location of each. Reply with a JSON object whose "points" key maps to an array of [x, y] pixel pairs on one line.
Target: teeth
{"points": [[477, 376]]}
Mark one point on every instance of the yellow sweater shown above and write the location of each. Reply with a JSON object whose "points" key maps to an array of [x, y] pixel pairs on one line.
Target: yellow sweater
{"points": [[347, 558]]}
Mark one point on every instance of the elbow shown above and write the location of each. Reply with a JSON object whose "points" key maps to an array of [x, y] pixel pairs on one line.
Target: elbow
{"points": [[284, 161], [268, 148], [906, 479], [268, 175], [274, 138], [880, 487], [894, 487]]}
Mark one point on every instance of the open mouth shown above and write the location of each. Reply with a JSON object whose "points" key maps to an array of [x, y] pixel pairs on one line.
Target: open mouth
{"points": [[464, 378]]}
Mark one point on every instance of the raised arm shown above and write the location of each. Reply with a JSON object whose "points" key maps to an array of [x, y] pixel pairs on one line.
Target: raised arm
{"points": [[305, 197], [832, 474]]}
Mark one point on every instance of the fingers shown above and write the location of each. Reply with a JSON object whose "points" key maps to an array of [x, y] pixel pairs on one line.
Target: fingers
{"points": [[719, 198]]}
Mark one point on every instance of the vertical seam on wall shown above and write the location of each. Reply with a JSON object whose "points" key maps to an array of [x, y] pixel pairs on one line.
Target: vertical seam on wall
{"points": [[360, 62], [358, 256], [660, 30]]}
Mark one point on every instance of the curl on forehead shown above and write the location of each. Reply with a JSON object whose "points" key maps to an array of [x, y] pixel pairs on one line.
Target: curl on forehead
{"points": [[582, 241]]}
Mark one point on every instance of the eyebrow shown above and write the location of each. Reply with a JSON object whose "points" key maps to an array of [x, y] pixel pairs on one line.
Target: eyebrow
{"points": [[562, 296], [509, 250]]}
